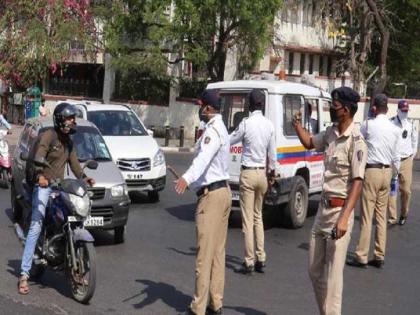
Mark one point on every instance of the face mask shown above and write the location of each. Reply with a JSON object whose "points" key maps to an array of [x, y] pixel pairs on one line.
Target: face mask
{"points": [[402, 115], [333, 115]]}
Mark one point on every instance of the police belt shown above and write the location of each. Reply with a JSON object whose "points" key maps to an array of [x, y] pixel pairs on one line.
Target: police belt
{"points": [[405, 158], [243, 167], [333, 202], [211, 187], [377, 165]]}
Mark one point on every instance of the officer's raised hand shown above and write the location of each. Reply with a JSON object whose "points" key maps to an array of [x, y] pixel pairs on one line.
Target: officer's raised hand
{"points": [[181, 185], [297, 119]]}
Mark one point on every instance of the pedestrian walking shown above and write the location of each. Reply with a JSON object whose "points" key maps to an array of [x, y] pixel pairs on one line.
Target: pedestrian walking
{"points": [[345, 156], [209, 174], [383, 162], [256, 134], [407, 151]]}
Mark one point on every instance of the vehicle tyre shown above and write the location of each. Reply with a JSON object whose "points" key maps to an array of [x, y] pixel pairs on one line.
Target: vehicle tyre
{"points": [[119, 234], [83, 280], [5, 178], [297, 207], [153, 196], [17, 210]]}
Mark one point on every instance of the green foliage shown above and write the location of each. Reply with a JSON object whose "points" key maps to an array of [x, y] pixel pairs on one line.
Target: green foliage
{"points": [[35, 37]]}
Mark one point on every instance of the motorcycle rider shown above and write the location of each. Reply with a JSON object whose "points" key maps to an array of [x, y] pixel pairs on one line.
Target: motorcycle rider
{"points": [[4, 122], [56, 147]]}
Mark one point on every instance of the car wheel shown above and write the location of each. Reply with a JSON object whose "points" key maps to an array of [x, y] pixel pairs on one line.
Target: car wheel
{"points": [[297, 207], [119, 234], [153, 196]]}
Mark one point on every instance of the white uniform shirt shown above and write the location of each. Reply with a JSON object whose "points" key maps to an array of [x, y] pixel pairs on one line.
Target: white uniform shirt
{"points": [[382, 139], [211, 161], [257, 136], [408, 146]]}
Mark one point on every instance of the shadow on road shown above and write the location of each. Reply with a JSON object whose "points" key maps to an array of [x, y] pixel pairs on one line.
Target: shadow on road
{"points": [[50, 279], [244, 310], [183, 212], [164, 292], [232, 262], [140, 198]]}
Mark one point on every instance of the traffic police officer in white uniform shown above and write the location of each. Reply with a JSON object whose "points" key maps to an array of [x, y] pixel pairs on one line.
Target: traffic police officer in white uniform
{"points": [[209, 175], [257, 136], [383, 162], [407, 151]]}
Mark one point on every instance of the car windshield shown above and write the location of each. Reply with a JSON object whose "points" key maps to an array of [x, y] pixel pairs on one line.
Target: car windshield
{"points": [[117, 123], [90, 145]]}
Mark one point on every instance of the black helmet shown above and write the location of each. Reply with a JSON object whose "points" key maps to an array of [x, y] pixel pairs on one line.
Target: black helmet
{"points": [[61, 112]]}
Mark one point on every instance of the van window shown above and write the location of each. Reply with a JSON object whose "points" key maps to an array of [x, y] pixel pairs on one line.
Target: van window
{"points": [[291, 105], [325, 105], [311, 121], [235, 107]]}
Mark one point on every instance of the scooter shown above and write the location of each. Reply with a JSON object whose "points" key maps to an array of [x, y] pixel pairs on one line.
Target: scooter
{"points": [[5, 161]]}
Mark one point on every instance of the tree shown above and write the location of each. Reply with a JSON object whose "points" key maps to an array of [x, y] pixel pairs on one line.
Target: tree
{"points": [[35, 37], [146, 35]]}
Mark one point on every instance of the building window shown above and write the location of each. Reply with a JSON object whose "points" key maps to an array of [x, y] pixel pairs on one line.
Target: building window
{"points": [[291, 61], [307, 13], [302, 63], [311, 64], [321, 65], [329, 66]]}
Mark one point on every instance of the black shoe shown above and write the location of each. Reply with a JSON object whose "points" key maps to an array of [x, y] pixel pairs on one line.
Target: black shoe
{"points": [[245, 270], [402, 220], [377, 263], [260, 266], [210, 311], [355, 263]]}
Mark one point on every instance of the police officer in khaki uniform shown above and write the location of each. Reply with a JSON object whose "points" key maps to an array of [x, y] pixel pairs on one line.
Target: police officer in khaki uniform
{"points": [[256, 134], [383, 161], [209, 175], [407, 150], [345, 156]]}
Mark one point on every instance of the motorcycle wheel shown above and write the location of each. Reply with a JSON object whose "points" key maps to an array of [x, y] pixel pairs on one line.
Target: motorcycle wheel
{"points": [[83, 277], [5, 179]]}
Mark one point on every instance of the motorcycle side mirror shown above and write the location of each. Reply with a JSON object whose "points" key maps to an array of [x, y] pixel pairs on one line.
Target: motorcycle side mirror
{"points": [[24, 156], [91, 164], [41, 161]]}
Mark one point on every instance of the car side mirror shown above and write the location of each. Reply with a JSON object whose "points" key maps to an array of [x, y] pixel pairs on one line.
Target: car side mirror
{"points": [[24, 156], [150, 132], [91, 164]]}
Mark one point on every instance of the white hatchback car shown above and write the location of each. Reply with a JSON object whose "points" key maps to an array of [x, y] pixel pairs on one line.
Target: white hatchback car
{"points": [[133, 149]]}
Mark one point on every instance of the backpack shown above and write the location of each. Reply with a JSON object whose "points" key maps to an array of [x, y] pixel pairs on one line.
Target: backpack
{"points": [[31, 170]]}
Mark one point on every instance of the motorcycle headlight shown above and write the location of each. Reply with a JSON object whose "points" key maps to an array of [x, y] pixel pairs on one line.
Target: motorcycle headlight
{"points": [[119, 190], [159, 158], [81, 204]]}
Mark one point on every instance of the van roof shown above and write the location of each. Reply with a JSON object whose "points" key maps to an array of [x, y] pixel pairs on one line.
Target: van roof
{"points": [[272, 86]]}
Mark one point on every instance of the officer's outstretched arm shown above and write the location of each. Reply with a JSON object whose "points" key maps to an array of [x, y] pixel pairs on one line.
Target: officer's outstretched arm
{"points": [[304, 136]]}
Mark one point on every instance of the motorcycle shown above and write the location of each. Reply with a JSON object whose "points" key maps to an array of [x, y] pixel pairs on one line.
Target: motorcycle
{"points": [[64, 242], [5, 160]]}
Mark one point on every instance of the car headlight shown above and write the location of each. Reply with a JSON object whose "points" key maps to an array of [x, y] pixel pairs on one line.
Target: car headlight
{"points": [[80, 204], [159, 158], [119, 190]]}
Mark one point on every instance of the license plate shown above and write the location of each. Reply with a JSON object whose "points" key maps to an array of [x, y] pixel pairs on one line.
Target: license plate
{"points": [[235, 195], [94, 221], [133, 175]]}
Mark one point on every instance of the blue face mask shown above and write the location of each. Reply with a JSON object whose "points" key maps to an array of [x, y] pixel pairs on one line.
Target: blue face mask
{"points": [[402, 115]]}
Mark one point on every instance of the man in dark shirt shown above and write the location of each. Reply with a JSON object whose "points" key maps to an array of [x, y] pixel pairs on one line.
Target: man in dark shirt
{"points": [[56, 147]]}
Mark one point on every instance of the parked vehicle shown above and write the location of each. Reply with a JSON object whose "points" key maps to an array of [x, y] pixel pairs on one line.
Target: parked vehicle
{"points": [[300, 170], [64, 242], [132, 146], [109, 195], [5, 160]]}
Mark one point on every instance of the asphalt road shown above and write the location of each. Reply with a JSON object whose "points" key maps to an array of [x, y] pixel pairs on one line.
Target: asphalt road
{"points": [[153, 271]]}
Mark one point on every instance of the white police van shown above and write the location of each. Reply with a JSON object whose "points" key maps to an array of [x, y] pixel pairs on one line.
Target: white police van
{"points": [[300, 170]]}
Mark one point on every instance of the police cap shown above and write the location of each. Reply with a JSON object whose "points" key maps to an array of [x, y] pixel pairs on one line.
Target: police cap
{"points": [[345, 96], [212, 98]]}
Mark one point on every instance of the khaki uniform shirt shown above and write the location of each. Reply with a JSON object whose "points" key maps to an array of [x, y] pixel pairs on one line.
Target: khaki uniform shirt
{"points": [[55, 149], [345, 159]]}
